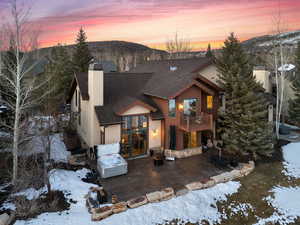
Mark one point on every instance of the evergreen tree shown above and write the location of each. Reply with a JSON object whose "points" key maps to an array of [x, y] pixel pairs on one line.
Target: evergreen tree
{"points": [[209, 52], [294, 104], [60, 71], [82, 55], [245, 123]]}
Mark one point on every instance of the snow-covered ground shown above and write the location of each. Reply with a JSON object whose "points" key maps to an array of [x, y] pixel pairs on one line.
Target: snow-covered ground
{"points": [[286, 200], [58, 150], [291, 154], [193, 207]]}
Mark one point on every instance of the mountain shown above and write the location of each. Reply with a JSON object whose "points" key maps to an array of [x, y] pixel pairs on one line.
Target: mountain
{"points": [[289, 39], [124, 54]]}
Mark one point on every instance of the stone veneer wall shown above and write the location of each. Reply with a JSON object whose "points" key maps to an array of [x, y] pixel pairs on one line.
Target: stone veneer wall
{"points": [[179, 154]]}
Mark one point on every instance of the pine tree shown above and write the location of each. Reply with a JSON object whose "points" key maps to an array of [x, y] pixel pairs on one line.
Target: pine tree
{"points": [[82, 55], [294, 104], [209, 53], [60, 70], [245, 125]]}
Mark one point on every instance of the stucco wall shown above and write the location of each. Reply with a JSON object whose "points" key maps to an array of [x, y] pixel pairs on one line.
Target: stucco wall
{"points": [[263, 77], [112, 134], [155, 133]]}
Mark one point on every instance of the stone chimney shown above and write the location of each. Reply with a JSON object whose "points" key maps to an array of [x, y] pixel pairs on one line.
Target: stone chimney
{"points": [[263, 76], [96, 84]]}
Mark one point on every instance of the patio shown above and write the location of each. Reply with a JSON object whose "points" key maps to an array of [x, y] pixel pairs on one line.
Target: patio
{"points": [[143, 177]]}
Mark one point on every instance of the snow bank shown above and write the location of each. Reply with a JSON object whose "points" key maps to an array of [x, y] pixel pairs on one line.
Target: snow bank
{"points": [[286, 202], [32, 193], [193, 207], [58, 151], [291, 154]]}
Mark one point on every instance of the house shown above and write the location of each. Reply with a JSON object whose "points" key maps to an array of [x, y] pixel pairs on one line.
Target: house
{"points": [[171, 104]]}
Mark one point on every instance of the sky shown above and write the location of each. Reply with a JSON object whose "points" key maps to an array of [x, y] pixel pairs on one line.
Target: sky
{"points": [[153, 22]]}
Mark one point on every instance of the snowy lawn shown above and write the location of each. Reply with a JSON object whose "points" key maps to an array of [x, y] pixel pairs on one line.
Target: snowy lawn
{"points": [[193, 207], [286, 201], [291, 154]]}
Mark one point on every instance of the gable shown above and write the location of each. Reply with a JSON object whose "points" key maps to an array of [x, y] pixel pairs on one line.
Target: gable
{"points": [[136, 109], [210, 73]]}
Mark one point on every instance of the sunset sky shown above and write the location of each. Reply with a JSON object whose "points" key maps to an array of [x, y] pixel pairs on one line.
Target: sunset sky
{"points": [[153, 22]]}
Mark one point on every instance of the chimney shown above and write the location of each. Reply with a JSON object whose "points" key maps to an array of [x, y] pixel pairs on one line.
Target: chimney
{"points": [[263, 77], [96, 84]]}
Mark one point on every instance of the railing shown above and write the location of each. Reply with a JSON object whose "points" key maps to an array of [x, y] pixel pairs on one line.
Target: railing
{"points": [[201, 121]]}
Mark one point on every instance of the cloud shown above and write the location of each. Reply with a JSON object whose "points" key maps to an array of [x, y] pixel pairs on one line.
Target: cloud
{"points": [[150, 20]]}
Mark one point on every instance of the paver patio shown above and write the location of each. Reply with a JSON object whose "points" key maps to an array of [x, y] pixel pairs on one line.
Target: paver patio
{"points": [[143, 177]]}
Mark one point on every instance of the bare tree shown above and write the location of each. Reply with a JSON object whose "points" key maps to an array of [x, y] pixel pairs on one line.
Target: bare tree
{"points": [[18, 76], [178, 47], [279, 57]]}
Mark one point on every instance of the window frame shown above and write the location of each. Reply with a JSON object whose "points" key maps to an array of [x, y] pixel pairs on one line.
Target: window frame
{"points": [[184, 109], [172, 112]]}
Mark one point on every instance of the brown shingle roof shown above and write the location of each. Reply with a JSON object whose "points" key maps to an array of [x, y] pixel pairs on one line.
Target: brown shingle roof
{"points": [[82, 81], [153, 78], [165, 82], [121, 90]]}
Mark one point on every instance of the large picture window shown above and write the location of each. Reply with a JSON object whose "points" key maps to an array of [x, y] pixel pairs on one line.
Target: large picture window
{"points": [[190, 107], [134, 135], [172, 107]]}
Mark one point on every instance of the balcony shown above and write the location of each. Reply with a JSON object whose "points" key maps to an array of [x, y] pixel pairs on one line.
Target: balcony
{"points": [[199, 122]]}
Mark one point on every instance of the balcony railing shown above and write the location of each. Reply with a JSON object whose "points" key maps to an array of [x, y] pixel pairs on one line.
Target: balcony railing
{"points": [[198, 122]]}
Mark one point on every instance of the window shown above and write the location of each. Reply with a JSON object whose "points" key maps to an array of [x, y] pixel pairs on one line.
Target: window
{"points": [[172, 107], [76, 98], [209, 102], [134, 122], [79, 109], [190, 107]]}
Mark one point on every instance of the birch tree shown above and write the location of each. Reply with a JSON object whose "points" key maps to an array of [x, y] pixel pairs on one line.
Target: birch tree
{"points": [[21, 83], [178, 47], [279, 56]]}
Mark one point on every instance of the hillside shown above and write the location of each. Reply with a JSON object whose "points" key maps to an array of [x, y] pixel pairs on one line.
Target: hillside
{"points": [[289, 39], [124, 54]]}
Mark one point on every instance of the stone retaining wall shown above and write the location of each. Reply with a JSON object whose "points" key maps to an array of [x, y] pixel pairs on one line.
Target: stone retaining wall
{"points": [[242, 170], [179, 154]]}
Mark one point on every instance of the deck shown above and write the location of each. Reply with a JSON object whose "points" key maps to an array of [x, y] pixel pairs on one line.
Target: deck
{"points": [[143, 177]]}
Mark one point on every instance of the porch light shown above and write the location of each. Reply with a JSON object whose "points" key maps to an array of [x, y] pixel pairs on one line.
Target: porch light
{"points": [[180, 106], [154, 132]]}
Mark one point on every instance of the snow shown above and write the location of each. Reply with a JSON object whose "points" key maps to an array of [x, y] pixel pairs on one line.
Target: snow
{"points": [[291, 155], [58, 150], [7, 205], [286, 67], [192, 207], [286, 202], [241, 209], [4, 134], [32, 193]]}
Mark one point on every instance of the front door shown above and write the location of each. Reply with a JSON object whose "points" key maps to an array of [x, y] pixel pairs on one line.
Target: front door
{"points": [[191, 139], [134, 135]]}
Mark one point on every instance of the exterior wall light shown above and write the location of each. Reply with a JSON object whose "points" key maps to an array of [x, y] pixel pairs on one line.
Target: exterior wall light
{"points": [[154, 132], [180, 106]]}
